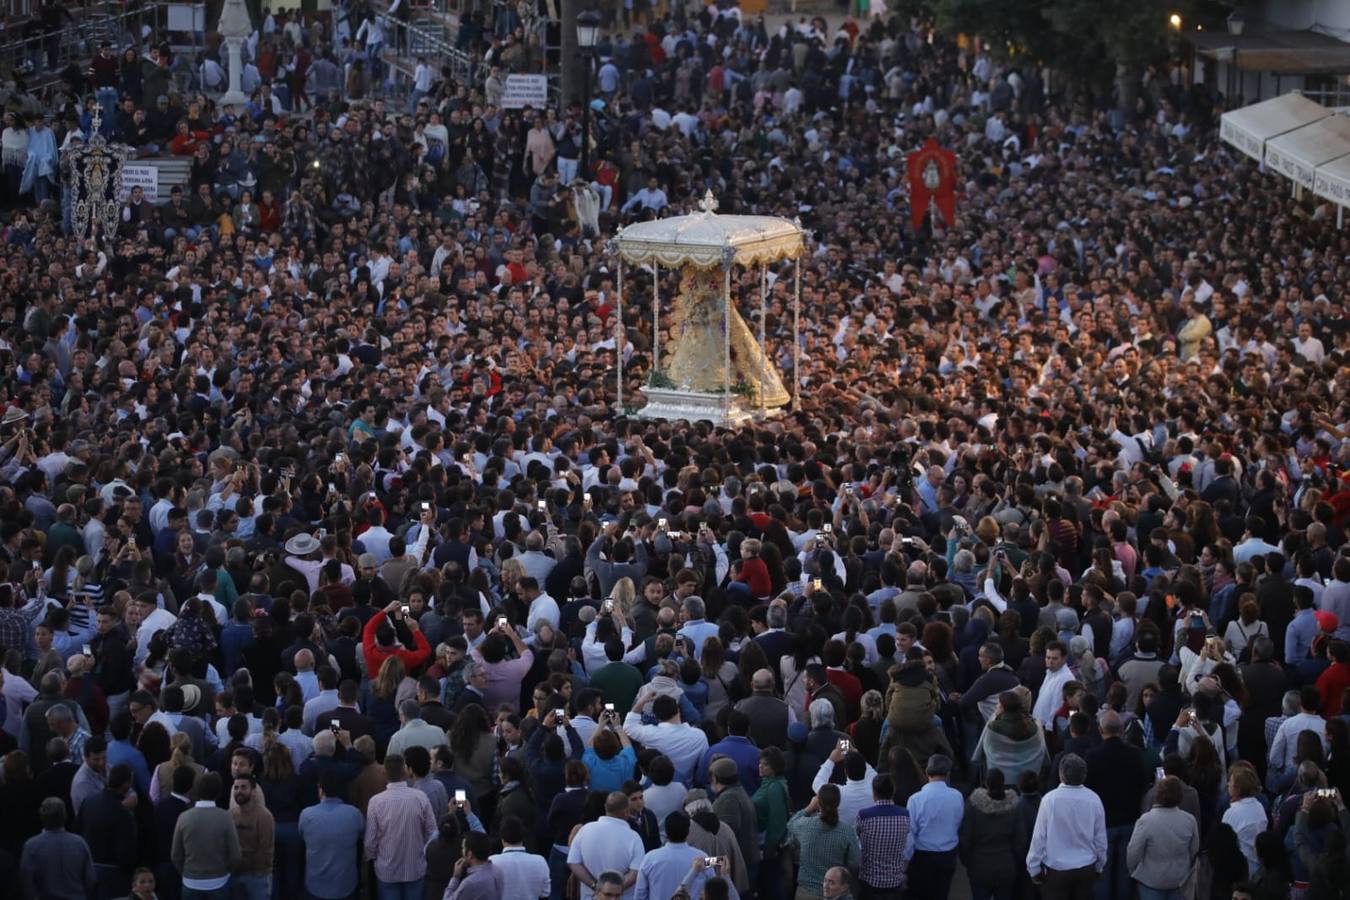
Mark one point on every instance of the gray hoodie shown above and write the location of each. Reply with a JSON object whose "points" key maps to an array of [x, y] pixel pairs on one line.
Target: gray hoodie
{"points": [[1163, 848]]}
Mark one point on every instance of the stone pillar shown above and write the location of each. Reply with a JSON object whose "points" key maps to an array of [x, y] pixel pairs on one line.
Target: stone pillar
{"points": [[234, 51]]}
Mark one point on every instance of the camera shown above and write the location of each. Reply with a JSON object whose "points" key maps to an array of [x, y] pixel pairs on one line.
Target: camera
{"points": [[827, 528], [560, 713], [461, 797], [334, 725], [844, 745], [817, 585], [711, 861], [663, 523], [503, 623], [543, 505]]}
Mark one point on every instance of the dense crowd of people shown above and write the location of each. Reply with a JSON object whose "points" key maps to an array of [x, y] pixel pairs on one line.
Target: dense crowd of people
{"points": [[334, 571]]}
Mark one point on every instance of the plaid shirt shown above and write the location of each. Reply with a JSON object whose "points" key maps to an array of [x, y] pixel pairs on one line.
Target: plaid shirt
{"points": [[884, 832], [822, 847], [16, 623]]}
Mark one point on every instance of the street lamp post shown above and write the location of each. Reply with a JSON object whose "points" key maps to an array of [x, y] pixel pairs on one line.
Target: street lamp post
{"points": [[588, 32]]}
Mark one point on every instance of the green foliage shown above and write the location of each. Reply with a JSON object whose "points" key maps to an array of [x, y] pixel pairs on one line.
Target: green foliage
{"points": [[1085, 39]]}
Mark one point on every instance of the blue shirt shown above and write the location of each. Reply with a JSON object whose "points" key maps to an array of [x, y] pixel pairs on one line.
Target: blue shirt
{"points": [[1298, 637], [698, 630], [609, 774], [126, 752], [331, 831], [740, 751], [935, 814], [663, 869]]}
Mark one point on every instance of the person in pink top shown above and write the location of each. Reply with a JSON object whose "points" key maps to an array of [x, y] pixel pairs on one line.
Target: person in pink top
{"points": [[503, 675]]}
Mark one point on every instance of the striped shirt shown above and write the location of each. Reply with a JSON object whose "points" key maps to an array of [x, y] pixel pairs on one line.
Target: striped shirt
{"points": [[884, 835], [399, 822]]}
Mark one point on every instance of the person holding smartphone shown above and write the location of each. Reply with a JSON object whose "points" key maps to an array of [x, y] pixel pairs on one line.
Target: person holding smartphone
{"points": [[507, 661]]}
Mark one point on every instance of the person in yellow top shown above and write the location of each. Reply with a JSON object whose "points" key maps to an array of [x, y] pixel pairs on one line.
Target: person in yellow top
{"points": [[1196, 328]]}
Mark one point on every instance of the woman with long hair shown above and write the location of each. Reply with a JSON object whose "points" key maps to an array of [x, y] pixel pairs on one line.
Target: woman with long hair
{"points": [[155, 746], [281, 790], [830, 842], [58, 579], [806, 648], [180, 757], [1246, 627], [721, 676], [381, 699], [473, 747], [750, 660], [1207, 777], [184, 566], [1338, 755], [866, 731], [938, 639]]}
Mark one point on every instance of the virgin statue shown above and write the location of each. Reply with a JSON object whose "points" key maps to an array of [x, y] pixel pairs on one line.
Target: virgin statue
{"points": [[695, 355]]}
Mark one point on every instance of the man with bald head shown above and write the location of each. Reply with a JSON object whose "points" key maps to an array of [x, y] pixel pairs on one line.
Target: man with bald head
{"points": [[767, 712], [916, 585], [835, 885], [305, 676], [1116, 772]]}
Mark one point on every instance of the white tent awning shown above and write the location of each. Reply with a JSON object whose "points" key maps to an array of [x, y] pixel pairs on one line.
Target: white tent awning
{"points": [[1250, 127], [1297, 154], [1332, 181]]}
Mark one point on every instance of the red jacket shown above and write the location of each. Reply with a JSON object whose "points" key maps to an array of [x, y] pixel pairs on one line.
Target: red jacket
{"points": [[850, 687], [756, 575], [1330, 684], [377, 654]]}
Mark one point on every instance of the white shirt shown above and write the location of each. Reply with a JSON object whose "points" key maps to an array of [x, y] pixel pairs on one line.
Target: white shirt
{"points": [[1282, 749], [1311, 350], [422, 77], [151, 625], [376, 541], [684, 744], [546, 608], [1051, 696], [663, 800], [18, 693], [1247, 818], [853, 796], [524, 874], [1070, 831], [605, 844]]}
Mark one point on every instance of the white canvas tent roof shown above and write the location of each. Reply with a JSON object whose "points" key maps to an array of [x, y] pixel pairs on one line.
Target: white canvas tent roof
{"points": [[1297, 154], [1250, 127], [1332, 181]]}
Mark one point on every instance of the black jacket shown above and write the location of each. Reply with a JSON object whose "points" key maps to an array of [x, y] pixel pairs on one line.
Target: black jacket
{"points": [[112, 661], [565, 813], [1116, 772], [110, 830]]}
